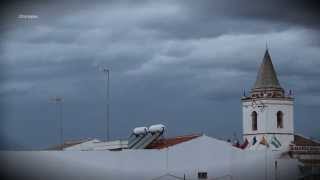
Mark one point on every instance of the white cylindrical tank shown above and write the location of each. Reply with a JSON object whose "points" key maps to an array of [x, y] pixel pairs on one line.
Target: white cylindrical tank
{"points": [[157, 128], [140, 130]]}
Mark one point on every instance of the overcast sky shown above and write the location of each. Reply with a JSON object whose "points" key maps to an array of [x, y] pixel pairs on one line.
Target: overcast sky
{"points": [[180, 63]]}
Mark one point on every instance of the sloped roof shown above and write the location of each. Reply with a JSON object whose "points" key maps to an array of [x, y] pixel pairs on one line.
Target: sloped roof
{"points": [[267, 76], [68, 143], [166, 142], [304, 141]]}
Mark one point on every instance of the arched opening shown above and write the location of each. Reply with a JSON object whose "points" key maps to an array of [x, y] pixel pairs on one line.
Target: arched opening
{"points": [[279, 119], [254, 116]]}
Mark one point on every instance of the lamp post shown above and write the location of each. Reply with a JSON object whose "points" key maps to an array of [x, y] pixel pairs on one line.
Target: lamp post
{"points": [[58, 101], [107, 73]]}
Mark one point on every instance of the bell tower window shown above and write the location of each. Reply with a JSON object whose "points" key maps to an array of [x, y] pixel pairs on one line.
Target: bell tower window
{"points": [[254, 121], [279, 119]]}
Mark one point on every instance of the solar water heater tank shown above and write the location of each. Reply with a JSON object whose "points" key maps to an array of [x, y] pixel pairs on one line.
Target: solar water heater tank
{"points": [[140, 130], [157, 128]]}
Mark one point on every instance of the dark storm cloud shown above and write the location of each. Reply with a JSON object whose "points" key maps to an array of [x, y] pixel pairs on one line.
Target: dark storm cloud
{"points": [[188, 19], [293, 12], [183, 63], [214, 18]]}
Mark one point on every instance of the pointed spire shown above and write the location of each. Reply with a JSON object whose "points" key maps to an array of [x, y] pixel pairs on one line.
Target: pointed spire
{"points": [[267, 76]]}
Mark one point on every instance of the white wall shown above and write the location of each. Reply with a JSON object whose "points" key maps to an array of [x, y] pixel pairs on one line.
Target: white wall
{"points": [[260, 164], [218, 158]]}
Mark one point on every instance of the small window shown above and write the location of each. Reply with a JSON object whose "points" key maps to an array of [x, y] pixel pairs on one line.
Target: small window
{"points": [[202, 175], [279, 119], [254, 116]]}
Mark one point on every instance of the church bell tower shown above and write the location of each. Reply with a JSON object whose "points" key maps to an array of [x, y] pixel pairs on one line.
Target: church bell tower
{"points": [[267, 111]]}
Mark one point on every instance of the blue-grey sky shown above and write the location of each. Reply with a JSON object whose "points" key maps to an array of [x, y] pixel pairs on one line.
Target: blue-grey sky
{"points": [[183, 63]]}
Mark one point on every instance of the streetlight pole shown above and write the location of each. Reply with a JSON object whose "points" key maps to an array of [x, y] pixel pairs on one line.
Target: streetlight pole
{"points": [[107, 72], [58, 101]]}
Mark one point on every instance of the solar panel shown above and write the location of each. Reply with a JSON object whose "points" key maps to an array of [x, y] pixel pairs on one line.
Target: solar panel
{"points": [[146, 140], [134, 139]]}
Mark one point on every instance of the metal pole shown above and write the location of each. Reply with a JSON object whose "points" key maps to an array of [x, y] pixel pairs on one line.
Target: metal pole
{"points": [[58, 100], [108, 105], [107, 133], [58, 121], [61, 126]]}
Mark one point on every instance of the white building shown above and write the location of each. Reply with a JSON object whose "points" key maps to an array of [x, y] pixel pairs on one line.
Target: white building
{"points": [[201, 157]]}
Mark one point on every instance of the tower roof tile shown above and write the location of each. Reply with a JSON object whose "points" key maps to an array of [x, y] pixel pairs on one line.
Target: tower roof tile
{"points": [[267, 76]]}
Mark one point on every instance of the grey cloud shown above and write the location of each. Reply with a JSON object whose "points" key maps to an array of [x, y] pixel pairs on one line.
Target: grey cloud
{"points": [[214, 18], [183, 63]]}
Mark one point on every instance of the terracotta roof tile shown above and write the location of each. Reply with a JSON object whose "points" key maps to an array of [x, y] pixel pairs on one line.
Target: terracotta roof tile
{"points": [[303, 141], [267, 76], [166, 142]]}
